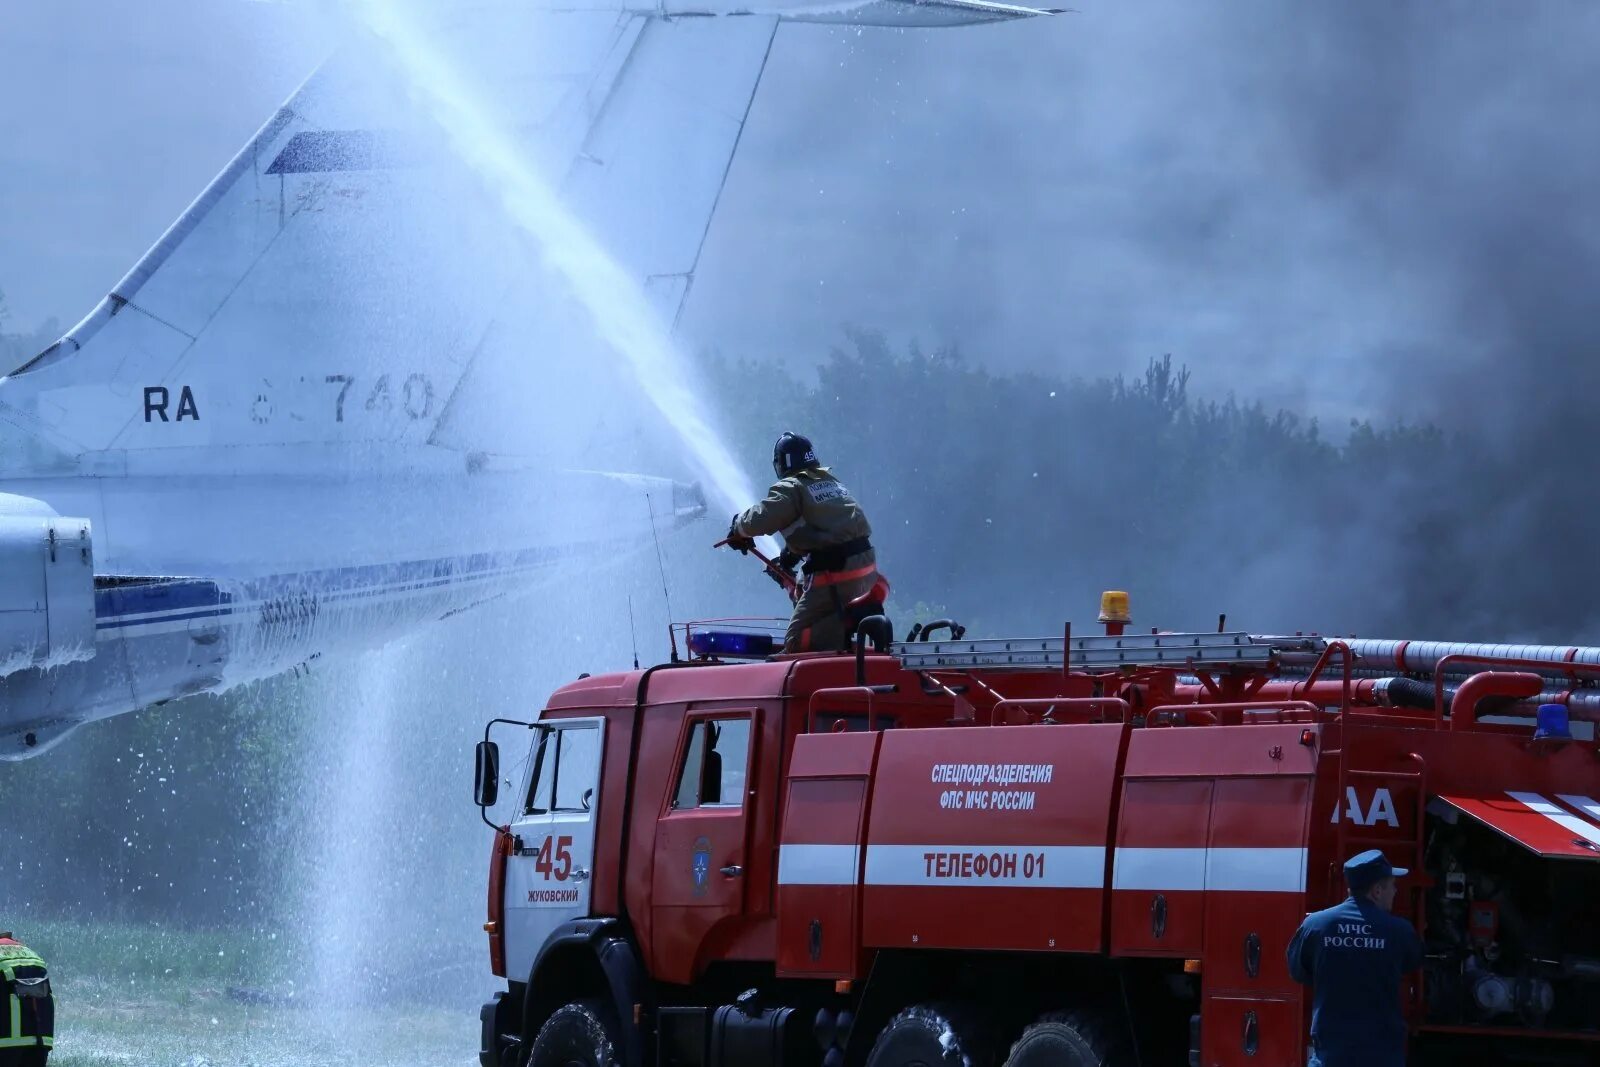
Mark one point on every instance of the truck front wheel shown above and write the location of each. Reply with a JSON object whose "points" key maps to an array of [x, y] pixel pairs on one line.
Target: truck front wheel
{"points": [[580, 1034], [930, 1036]]}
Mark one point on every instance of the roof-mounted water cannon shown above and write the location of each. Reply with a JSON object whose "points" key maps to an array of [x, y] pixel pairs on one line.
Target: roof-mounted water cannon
{"points": [[1114, 611]]}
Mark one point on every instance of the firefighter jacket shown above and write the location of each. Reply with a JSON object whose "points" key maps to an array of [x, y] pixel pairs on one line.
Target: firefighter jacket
{"points": [[1353, 956], [813, 511], [29, 1020]]}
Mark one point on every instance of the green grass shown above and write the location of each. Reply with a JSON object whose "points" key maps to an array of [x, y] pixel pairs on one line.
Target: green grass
{"points": [[105, 1026], [113, 951], [155, 996]]}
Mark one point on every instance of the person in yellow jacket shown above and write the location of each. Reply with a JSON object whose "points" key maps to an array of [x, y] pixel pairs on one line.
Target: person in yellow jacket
{"points": [[822, 524], [27, 1029]]}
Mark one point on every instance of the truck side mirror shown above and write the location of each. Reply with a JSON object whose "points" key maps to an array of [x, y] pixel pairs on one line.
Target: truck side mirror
{"points": [[486, 779]]}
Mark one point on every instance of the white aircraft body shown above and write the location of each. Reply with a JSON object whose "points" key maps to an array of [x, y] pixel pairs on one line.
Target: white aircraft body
{"points": [[283, 433]]}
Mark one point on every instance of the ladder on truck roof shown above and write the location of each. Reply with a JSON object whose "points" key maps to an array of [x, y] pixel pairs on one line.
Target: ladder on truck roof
{"points": [[1098, 652]]}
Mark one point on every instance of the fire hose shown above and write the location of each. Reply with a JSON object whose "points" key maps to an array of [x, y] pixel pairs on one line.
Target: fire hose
{"points": [[784, 576]]}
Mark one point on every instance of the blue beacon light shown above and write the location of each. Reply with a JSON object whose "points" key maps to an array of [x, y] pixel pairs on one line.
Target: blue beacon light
{"points": [[1553, 722], [731, 644]]}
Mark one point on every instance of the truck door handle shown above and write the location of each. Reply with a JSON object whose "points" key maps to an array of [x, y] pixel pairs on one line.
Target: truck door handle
{"points": [[732, 870], [579, 875]]}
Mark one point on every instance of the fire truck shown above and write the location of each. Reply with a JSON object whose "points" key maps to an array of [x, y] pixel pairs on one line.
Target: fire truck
{"points": [[1083, 850]]}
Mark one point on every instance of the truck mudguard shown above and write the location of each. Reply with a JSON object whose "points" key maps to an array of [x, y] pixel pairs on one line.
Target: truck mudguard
{"points": [[605, 942]]}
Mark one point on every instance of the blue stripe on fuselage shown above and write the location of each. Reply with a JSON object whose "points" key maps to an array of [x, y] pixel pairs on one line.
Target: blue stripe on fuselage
{"points": [[141, 597], [132, 601]]}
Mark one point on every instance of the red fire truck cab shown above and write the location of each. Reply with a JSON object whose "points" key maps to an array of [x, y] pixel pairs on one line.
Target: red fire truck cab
{"points": [[1069, 850]]}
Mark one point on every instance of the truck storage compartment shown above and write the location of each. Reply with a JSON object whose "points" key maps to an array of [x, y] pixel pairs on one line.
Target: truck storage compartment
{"points": [[1006, 828], [820, 855], [1159, 879], [1513, 931]]}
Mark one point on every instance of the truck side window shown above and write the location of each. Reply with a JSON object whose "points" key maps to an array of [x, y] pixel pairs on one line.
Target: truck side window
{"points": [[688, 794], [563, 771], [575, 766], [713, 771], [542, 783]]}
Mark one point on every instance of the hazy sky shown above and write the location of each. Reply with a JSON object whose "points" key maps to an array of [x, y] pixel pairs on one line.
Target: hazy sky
{"points": [[1279, 195]]}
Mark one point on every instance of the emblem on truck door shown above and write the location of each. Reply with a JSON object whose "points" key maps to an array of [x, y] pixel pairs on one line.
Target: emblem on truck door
{"points": [[702, 865]]}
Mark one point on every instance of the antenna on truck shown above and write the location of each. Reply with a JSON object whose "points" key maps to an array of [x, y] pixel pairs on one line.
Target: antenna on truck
{"points": [[633, 633], [666, 594]]}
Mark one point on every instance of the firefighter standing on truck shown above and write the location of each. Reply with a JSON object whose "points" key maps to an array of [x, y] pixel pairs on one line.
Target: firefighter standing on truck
{"points": [[27, 1029], [1353, 956], [822, 524]]}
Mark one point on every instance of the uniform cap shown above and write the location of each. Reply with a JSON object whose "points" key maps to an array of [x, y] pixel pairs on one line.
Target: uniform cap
{"points": [[1368, 869]]}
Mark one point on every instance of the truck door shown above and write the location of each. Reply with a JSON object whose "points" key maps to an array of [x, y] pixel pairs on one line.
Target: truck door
{"points": [[548, 871], [701, 855]]}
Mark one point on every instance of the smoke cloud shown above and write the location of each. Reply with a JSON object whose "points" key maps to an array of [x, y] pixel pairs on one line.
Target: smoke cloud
{"points": [[1339, 210]]}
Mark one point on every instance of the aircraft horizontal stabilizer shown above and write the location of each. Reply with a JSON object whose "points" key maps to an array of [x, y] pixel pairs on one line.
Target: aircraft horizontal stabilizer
{"points": [[929, 13]]}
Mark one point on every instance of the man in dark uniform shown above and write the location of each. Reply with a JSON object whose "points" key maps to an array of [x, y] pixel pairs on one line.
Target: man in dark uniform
{"points": [[1353, 956], [822, 524], [27, 1027]]}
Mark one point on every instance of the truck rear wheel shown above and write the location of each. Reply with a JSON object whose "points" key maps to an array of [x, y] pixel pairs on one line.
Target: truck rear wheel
{"points": [[1069, 1039], [930, 1035], [580, 1034]]}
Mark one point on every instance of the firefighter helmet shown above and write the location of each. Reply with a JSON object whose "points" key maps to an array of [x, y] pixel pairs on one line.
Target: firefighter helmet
{"points": [[792, 453]]}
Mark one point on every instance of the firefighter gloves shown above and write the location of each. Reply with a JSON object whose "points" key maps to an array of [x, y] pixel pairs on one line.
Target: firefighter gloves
{"points": [[737, 540]]}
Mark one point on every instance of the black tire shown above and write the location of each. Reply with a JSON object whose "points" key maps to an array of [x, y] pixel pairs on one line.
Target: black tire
{"points": [[931, 1035], [580, 1034], [1071, 1039]]}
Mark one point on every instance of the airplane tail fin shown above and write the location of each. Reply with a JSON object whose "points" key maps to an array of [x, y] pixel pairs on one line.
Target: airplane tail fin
{"points": [[300, 300], [347, 281], [333, 285]]}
